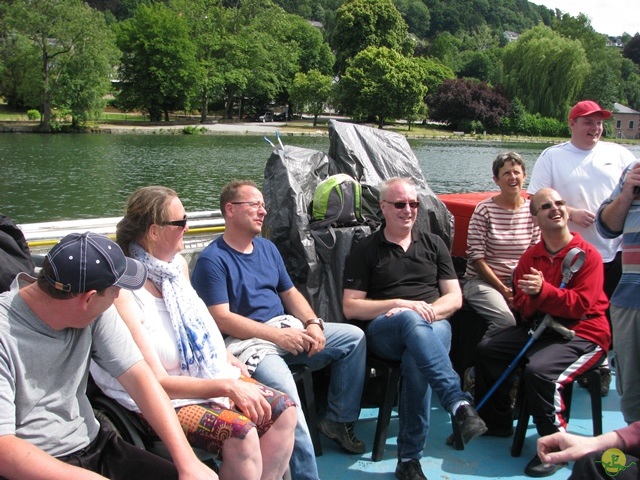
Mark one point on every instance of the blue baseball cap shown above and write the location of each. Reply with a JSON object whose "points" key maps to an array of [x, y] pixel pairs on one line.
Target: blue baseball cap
{"points": [[88, 261]]}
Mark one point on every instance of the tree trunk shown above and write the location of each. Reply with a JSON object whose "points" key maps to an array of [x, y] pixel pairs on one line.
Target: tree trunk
{"points": [[45, 122], [204, 107]]}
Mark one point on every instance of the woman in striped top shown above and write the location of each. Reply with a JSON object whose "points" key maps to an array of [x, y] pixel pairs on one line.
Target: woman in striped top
{"points": [[500, 230]]}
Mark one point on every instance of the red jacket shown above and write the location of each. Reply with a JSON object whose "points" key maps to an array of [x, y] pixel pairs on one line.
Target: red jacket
{"points": [[581, 305]]}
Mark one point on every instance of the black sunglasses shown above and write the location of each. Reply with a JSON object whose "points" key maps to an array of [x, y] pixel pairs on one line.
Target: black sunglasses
{"points": [[177, 223], [548, 205], [401, 205]]}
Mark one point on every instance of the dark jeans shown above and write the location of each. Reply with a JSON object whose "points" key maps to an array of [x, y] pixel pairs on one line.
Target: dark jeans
{"points": [[116, 459]]}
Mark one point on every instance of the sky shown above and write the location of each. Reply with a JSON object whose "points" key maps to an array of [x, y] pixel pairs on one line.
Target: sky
{"points": [[611, 17]]}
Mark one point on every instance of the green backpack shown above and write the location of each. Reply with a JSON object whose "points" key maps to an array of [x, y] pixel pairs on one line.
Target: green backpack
{"points": [[337, 202]]}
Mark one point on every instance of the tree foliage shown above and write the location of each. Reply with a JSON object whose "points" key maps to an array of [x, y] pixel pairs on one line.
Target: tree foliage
{"points": [[381, 82], [631, 49], [311, 91], [545, 71], [57, 40], [461, 100], [158, 69], [368, 23]]}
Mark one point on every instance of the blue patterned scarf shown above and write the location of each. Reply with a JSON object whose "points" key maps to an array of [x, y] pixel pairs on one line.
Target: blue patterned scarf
{"points": [[200, 344]]}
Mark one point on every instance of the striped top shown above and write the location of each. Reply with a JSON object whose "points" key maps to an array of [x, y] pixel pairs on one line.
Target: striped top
{"points": [[626, 293], [500, 237]]}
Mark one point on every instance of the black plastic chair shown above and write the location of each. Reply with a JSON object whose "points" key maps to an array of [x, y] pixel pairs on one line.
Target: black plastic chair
{"points": [[381, 390], [522, 407], [304, 381]]}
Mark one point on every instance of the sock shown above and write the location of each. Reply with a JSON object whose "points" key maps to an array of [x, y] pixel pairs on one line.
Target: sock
{"points": [[458, 404]]}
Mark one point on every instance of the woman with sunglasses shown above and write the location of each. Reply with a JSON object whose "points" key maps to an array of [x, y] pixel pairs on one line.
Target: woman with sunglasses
{"points": [[500, 230], [246, 424]]}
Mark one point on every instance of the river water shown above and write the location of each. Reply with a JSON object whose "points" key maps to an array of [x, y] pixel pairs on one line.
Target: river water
{"points": [[61, 177]]}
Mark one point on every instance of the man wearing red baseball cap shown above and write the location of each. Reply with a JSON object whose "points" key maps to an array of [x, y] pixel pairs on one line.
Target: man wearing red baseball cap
{"points": [[50, 328], [584, 171]]}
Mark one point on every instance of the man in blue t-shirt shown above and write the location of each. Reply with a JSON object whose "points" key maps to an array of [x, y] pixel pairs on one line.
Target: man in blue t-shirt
{"points": [[242, 279]]}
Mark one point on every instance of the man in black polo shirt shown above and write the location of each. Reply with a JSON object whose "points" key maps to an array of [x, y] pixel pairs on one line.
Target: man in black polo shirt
{"points": [[403, 284]]}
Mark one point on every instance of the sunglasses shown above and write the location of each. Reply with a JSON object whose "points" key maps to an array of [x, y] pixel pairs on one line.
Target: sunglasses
{"points": [[177, 223], [253, 205], [401, 205], [548, 205]]}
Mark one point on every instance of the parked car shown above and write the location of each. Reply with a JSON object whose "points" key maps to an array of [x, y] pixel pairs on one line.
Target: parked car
{"points": [[265, 117]]}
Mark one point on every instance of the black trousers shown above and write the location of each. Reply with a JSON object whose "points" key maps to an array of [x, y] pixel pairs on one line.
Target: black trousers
{"points": [[550, 363], [112, 457]]}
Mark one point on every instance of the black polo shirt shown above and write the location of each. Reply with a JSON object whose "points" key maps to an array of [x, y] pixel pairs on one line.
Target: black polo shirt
{"points": [[384, 270]]}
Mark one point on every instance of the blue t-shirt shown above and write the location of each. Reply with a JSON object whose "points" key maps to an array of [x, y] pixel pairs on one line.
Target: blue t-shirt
{"points": [[249, 282]]}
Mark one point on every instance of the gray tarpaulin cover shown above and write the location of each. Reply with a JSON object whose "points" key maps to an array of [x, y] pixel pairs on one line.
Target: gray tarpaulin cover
{"points": [[370, 156]]}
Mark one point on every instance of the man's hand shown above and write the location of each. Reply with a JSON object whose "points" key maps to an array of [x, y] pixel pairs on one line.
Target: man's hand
{"points": [[294, 341], [531, 283], [582, 217], [424, 309], [564, 447], [319, 340], [248, 398]]}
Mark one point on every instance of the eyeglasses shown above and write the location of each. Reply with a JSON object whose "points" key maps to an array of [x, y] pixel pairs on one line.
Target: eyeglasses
{"points": [[253, 205], [548, 205], [176, 223], [401, 205]]}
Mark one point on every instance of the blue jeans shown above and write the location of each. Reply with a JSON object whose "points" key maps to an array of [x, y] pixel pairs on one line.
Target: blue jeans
{"points": [[346, 350], [423, 350]]}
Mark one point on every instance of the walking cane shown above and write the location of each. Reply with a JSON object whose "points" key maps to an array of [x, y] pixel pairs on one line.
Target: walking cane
{"points": [[570, 265]]}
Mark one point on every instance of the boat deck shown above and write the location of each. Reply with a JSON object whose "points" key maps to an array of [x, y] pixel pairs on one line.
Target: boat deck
{"points": [[486, 457]]}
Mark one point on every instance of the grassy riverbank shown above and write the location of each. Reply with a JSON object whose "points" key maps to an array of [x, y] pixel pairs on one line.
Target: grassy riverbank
{"points": [[112, 122]]}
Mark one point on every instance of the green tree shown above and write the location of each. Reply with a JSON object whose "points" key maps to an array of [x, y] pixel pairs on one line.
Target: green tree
{"points": [[435, 73], [381, 82], [545, 71], [65, 35], [311, 91], [631, 49], [416, 14], [158, 69], [368, 23]]}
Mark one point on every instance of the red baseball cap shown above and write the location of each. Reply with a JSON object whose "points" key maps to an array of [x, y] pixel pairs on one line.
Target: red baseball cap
{"points": [[587, 107]]}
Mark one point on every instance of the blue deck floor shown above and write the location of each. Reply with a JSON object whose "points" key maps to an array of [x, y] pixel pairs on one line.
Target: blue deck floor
{"points": [[486, 457]]}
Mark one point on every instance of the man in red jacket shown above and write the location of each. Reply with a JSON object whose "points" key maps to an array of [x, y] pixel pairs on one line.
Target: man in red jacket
{"points": [[551, 362]]}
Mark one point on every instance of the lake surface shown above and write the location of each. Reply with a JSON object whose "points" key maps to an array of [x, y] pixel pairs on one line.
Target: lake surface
{"points": [[61, 177]]}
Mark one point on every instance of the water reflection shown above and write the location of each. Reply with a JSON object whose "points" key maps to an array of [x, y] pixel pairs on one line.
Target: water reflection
{"points": [[55, 177]]}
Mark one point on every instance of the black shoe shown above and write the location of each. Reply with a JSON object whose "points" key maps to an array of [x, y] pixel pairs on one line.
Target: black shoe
{"points": [[342, 434], [467, 425], [491, 432], [535, 468], [409, 470]]}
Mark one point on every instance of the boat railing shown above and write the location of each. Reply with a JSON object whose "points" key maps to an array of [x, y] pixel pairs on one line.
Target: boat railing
{"points": [[204, 226]]}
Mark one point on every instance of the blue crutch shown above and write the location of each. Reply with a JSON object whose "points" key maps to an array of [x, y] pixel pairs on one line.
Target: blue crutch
{"points": [[570, 265]]}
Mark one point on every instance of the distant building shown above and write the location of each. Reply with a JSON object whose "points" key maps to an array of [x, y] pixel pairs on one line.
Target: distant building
{"points": [[614, 42], [510, 36], [626, 121]]}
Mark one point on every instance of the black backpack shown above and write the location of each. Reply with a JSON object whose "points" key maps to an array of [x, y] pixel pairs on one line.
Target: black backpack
{"points": [[15, 256]]}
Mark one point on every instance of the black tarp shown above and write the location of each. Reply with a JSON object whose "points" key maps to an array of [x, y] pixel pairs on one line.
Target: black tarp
{"points": [[290, 177]]}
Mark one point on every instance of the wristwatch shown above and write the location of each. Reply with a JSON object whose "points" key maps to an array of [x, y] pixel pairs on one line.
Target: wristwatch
{"points": [[315, 321]]}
